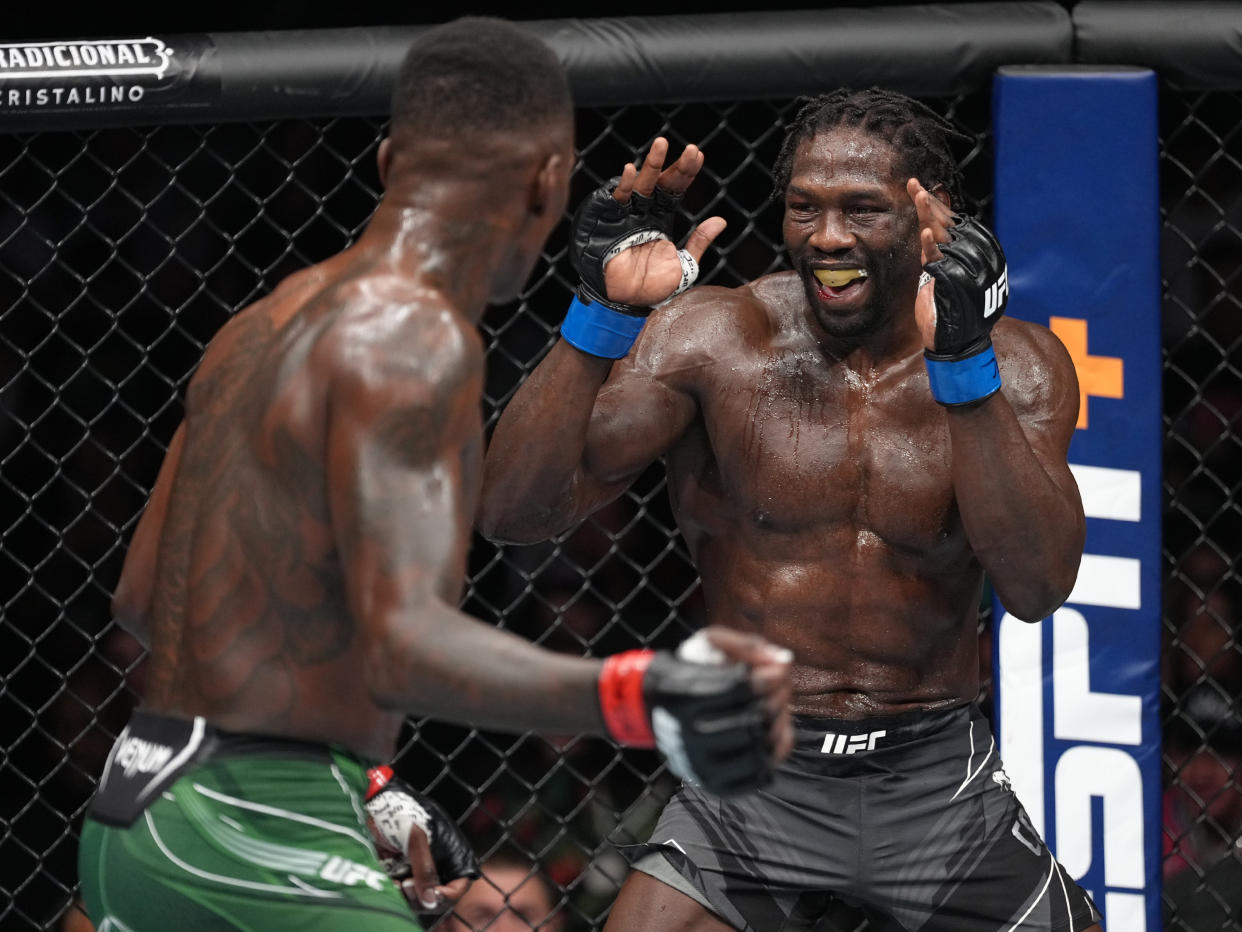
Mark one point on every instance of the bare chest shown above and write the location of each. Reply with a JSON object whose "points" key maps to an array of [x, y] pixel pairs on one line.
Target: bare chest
{"points": [[805, 444]]}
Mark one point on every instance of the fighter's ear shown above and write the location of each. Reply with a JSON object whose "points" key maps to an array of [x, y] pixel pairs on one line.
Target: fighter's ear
{"points": [[548, 186], [383, 160], [941, 193]]}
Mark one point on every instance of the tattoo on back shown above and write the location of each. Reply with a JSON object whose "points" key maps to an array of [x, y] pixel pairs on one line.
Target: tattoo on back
{"points": [[249, 591]]}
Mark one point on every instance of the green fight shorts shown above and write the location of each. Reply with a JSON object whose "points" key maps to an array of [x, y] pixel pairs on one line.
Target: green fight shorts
{"points": [[237, 832]]}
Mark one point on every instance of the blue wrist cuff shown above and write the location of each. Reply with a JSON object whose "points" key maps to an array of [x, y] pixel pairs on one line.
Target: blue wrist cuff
{"points": [[599, 330], [961, 381]]}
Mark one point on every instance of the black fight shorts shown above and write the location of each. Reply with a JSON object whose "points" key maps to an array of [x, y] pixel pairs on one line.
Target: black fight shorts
{"points": [[907, 820]]}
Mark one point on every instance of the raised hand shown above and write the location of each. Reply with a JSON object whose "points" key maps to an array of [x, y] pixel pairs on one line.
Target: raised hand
{"points": [[621, 245], [962, 295], [646, 274]]}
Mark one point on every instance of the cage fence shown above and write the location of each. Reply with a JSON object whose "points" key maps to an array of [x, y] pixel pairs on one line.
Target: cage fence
{"points": [[123, 250]]}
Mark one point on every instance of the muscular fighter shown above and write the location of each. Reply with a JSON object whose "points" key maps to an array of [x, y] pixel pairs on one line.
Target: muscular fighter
{"points": [[297, 570], [851, 445]]}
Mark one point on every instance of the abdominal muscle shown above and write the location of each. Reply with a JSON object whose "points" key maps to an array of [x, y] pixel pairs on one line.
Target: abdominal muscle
{"points": [[867, 639]]}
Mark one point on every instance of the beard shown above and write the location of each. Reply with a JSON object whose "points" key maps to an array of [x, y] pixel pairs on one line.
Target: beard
{"points": [[887, 281], [858, 321], [891, 275]]}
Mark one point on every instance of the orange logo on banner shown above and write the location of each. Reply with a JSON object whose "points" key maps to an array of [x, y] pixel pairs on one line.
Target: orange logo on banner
{"points": [[1097, 375]]}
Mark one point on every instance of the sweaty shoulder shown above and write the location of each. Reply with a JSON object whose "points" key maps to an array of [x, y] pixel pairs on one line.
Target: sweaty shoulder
{"points": [[393, 337], [1036, 370], [708, 323]]}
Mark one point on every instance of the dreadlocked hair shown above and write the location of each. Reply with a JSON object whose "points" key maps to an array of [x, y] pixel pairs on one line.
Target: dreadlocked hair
{"points": [[920, 136]]}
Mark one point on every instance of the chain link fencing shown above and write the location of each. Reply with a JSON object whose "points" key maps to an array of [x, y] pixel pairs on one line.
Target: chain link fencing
{"points": [[1201, 200], [122, 251]]}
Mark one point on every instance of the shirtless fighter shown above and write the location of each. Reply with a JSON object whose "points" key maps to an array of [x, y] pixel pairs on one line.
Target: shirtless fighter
{"points": [[297, 570], [850, 445]]}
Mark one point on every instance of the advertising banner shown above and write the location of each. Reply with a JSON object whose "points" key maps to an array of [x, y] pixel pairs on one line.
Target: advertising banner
{"points": [[1077, 211]]}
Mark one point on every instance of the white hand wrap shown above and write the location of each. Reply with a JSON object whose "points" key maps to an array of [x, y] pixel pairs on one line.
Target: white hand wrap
{"points": [[689, 275], [393, 813], [694, 649], [637, 238], [698, 649], [689, 265]]}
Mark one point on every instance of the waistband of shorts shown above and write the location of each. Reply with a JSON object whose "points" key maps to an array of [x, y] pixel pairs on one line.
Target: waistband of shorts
{"points": [[156, 749], [221, 744], [845, 735]]}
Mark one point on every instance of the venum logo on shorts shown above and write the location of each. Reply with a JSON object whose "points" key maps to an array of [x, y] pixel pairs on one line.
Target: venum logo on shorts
{"points": [[138, 756], [851, 744]]}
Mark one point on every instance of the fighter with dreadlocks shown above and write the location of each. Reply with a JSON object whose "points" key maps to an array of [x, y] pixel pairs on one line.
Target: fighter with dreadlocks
{"points": [[851, 445]]}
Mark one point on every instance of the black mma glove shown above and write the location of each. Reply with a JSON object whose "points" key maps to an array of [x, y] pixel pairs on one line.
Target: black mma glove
{"points": [[972, 290], [393, 807], [602, 229], [703, 717]]}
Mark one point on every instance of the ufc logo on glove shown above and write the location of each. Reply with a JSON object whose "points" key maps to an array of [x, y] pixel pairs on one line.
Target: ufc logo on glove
{"points": [[997, 294]]}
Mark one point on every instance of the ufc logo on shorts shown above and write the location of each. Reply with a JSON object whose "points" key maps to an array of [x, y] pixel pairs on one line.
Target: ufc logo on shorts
{"points": [[994, 297], [851, 744], [351, 873]]}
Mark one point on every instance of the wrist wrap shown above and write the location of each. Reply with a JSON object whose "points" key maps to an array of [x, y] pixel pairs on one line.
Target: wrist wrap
{"points": [[599, 330], [959, 380], [392, 813], [621, 698]]}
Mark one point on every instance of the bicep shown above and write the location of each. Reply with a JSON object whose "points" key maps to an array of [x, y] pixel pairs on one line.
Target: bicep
{"points": [[640, 414], [1046, 404]]}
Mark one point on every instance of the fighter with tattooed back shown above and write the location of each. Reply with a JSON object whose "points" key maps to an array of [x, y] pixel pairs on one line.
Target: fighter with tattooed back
{"points": [[297, 570]]}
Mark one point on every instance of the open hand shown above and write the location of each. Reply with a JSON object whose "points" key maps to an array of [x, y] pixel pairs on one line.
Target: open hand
{"points": [[648, 274], [418, 843]]}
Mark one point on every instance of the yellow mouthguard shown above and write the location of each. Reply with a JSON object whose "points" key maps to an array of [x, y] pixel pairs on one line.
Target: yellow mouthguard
{"points": [[835, 278]]}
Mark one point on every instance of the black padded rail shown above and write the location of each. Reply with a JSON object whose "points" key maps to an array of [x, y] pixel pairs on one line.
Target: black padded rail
{"points": [[1193, 45], [927, 50], [930, 50]]}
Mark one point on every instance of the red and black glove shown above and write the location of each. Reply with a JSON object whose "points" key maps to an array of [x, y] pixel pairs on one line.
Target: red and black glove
{"points": [[703, 717]]}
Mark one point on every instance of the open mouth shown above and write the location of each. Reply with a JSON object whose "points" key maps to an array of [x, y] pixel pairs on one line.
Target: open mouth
{"points": [[839, 283]]}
